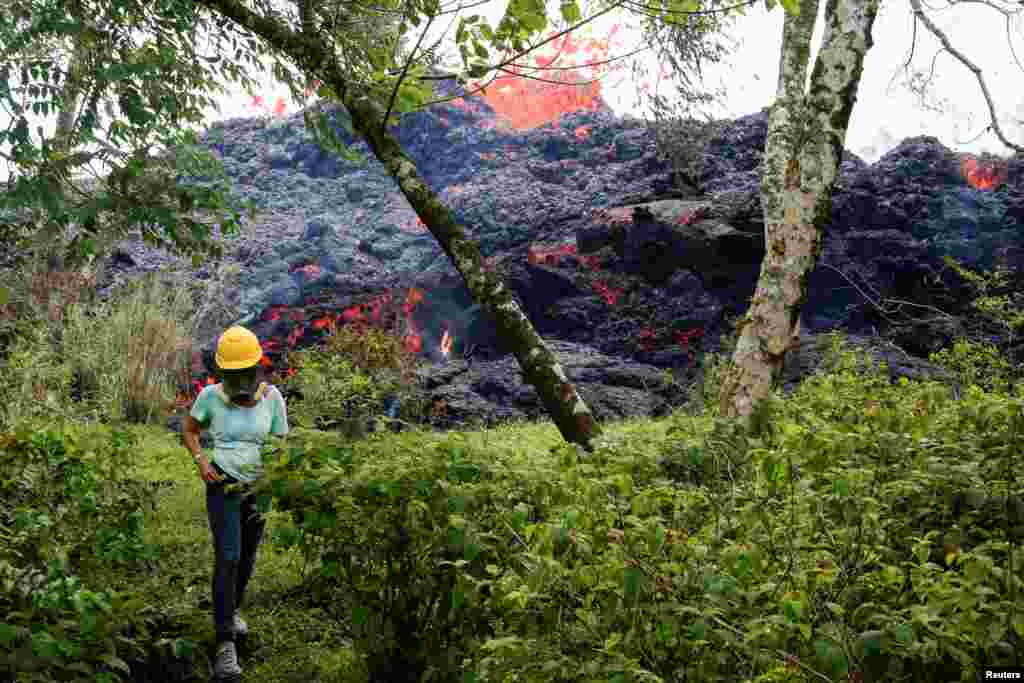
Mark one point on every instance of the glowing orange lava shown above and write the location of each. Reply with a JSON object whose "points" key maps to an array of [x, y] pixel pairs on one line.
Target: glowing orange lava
{"points": [[980, 177], [528, 96]]}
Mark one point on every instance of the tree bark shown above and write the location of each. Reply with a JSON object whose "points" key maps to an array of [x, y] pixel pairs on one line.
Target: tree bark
{"points": [[803, 151], [540, 367]]}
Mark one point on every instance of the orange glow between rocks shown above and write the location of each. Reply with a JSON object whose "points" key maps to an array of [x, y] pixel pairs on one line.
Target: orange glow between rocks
{"points": [[982, 177]]}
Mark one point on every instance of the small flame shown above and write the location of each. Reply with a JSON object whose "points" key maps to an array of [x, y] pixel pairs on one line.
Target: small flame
{"points": [[324, 322], [982, 178], [413, 342], [446, 343]]}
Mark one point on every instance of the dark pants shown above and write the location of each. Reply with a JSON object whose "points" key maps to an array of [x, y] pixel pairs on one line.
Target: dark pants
{"points": [[237, 528]]}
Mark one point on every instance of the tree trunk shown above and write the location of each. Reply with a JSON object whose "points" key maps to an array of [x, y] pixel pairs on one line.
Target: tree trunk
{"points": [[540, 368], [802, 156]]}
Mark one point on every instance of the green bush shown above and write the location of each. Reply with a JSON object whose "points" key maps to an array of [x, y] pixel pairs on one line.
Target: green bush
{"points": [[997, 303], [396, 537], [827, 547], [979, 364], [67, 506], [348, 380]]}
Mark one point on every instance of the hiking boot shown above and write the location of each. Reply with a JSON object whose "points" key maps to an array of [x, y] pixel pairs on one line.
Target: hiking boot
{"points": [[238, 625], [226, 665]]}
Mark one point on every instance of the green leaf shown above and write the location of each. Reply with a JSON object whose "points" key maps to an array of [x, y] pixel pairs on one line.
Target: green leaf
{"points": [[501, 643], [773, 469], [658, 538], [744, 565], [571, 12], [904, 633], [471, 551], [792, 7], [8, 632], [519, 516], [793, 609], [720, 584], [360, 615], [624, 483], [631, 580]]}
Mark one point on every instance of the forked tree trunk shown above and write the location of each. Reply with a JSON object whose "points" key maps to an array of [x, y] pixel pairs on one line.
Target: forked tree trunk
{"points": [[540, 367], [803, 151]]}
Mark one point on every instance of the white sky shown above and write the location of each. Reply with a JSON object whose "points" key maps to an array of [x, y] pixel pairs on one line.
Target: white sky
{"points": [[886, 111]]}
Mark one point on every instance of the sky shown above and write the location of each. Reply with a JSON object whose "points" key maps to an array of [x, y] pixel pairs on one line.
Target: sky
{"points": [[886, 111]]}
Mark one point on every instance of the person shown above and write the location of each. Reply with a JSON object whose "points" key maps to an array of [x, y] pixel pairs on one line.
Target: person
{"points": [[240, 412]]}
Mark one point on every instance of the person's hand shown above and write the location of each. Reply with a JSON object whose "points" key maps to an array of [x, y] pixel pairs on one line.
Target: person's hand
{"points": [[207, 472]]}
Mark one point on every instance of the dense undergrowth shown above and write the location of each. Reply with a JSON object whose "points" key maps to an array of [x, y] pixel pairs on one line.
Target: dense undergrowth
{"points": [[866, 531]]}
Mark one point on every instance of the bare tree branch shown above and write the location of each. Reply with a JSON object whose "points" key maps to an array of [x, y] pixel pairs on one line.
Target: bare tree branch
{"points": [[937, 32]]}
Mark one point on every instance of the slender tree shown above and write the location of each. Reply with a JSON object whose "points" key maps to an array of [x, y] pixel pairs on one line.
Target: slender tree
{"points": [[804, 148]]}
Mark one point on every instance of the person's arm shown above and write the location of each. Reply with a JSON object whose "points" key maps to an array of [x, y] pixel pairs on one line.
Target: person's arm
{"points": [[190, 436]]}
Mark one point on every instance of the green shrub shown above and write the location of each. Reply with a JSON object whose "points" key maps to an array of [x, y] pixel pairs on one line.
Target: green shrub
{"points": [[997, 303], [67, 506], [396, 536], [827, 547], [979, 364], [682, 142], [138, 347], [349, 379]]}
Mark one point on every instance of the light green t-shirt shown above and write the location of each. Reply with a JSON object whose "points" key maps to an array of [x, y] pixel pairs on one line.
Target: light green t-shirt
{"points": [[237, 431]]}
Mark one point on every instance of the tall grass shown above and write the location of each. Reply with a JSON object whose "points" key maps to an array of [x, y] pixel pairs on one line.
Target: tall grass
{"points": [[76, 357]]}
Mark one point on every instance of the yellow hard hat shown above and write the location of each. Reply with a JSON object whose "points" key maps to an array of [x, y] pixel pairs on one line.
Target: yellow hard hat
{"points": [[238, 348]]}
